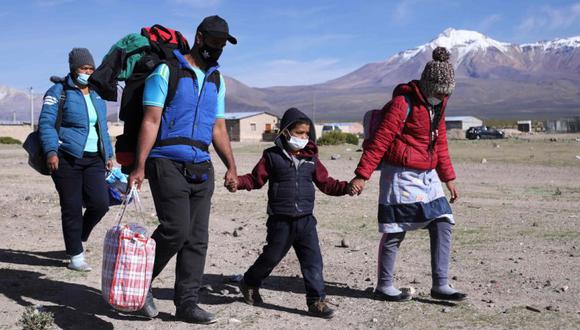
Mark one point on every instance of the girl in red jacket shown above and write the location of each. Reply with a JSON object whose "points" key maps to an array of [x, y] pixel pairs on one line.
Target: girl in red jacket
{"points": [[411, 150]]}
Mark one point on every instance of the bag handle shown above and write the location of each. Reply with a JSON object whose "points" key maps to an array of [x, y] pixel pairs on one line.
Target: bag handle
{"points": [[132, 195], [155, 30]]}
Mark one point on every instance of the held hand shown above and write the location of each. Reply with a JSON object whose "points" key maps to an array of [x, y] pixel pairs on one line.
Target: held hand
{"points": [[357, 185], [453, 191], [136, 178], [109, 165], [232, 187], [349, 190], [52, 163], [231, 180]]}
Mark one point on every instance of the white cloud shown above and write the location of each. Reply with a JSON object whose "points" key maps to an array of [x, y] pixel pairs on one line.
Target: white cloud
{"points": [[290, 72], [551, 18], [489, 22], [402, 11]]}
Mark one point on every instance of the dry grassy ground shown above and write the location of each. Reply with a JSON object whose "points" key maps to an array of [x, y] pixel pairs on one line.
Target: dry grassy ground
{"points": [[516, 248]]}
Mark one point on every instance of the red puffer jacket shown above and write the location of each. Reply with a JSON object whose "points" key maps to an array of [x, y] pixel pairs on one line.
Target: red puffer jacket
{"points": [[407, 144]]}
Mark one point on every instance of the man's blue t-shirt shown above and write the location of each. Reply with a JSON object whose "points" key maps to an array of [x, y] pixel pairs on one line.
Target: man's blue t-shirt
{"points": [[157, 84]]}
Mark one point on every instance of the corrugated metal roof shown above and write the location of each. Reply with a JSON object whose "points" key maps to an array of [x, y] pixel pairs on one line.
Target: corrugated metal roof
{"points": [[242, 115], [338, 124], [461, 118]]}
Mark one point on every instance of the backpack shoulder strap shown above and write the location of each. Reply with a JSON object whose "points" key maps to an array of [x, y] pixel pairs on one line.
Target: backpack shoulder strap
{"points": [[175, 72], [61, 101], [409, 106], [215, 77]]}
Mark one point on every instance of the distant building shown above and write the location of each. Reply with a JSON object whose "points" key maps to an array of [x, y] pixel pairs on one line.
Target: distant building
{"points": [[351, 127], [13, 123], [462, 122], [250, 126], [525, 126], [570, 125]]}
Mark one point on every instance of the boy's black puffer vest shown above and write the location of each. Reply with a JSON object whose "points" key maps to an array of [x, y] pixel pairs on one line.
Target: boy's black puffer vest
{"points": [[291, 190]]}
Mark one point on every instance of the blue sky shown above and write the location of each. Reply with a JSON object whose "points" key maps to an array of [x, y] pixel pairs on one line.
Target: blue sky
{"points": [[280, 42]]}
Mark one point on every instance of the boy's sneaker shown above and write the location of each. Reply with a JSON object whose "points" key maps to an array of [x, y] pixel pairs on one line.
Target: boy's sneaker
{"points": [[251, 294], [191, 313], [149, 309], [79, 266], [321, 309]]}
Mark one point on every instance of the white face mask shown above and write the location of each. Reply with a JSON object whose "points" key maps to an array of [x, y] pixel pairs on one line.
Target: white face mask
{"points": [[433, 100], [296, 143], [83, 79]]}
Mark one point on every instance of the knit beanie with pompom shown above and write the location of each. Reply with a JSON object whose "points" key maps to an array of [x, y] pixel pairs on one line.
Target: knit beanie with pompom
{"points": [[438, 77]]}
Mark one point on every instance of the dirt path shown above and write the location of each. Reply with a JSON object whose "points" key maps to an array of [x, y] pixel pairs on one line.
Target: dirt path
{"points": [[516, 245]]}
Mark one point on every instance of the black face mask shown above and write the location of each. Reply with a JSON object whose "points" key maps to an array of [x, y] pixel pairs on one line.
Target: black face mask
{"points": [[209, 54]]}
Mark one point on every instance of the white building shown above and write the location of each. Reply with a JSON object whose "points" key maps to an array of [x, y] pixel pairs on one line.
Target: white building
{"points": [[525, 126], [244, 126], [462, 122]]}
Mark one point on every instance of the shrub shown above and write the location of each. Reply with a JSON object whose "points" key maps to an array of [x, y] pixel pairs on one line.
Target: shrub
{"points": [[9, 140], [34, 318], [351, 139], [336, 137]]}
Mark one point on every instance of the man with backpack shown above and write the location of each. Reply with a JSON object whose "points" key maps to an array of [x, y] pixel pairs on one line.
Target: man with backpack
{"points": [[172, 151]]}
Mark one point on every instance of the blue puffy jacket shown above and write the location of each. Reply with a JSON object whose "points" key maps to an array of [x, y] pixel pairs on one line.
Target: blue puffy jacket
{"points": [[74, 129]]}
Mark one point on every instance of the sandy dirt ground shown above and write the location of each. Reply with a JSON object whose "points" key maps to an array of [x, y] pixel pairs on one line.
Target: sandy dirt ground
{"points": [[516, 249]]}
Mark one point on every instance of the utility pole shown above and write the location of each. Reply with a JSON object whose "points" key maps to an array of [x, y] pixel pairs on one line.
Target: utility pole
{"points": [[313, 106], [31, 108]]}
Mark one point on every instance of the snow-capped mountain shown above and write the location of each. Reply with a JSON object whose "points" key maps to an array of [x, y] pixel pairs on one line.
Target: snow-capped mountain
{"points": [[475, 55], [573, 42]]}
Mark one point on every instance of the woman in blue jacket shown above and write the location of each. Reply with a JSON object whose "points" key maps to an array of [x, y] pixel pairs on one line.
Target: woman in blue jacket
{"points": [[77, 153]]}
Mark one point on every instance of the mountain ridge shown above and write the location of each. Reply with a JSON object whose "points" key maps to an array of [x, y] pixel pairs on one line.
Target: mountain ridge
{"points": [[495, 79]]}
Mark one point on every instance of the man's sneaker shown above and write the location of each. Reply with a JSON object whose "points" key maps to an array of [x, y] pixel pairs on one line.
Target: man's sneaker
{"points": [[321, 309], [79, 267], [191, 313], [149, 309], [251, 294]]}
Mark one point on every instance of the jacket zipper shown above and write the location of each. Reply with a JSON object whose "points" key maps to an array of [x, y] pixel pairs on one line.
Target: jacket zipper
{"points": [[88, 122], [200, 96], [99, 133], [297, 187], [430, 147]]}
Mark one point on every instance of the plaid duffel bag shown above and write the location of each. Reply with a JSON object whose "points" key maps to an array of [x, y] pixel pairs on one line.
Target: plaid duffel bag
{"points": [[128, 257]]}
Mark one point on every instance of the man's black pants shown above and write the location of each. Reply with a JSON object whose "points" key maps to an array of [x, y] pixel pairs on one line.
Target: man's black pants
{"points": [[283, 233], [183, 209]]}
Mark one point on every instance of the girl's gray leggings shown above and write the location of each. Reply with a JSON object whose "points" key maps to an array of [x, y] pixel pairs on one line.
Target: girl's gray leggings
{"points": [[440, 236]]}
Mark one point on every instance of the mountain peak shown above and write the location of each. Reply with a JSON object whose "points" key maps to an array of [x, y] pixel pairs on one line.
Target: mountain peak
{"points": [[459, 42], [452, 38]]}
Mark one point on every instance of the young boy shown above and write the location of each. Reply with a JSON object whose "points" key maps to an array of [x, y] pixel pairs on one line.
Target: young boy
{"points": [[291, 166]]}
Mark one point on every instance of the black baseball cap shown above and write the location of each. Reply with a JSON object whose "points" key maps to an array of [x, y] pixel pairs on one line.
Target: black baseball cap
{"points": [[216, 27]]}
